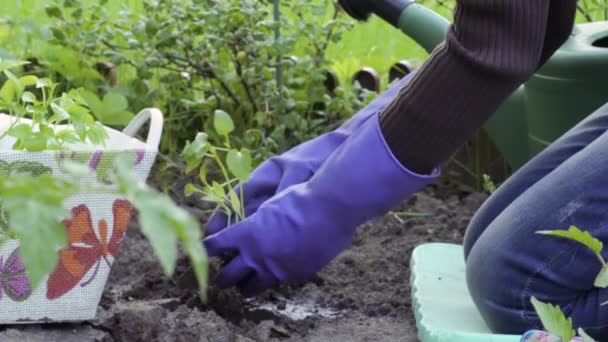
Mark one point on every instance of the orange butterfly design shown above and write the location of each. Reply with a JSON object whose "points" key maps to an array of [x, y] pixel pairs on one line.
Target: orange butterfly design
{"points": [[85, 249]]}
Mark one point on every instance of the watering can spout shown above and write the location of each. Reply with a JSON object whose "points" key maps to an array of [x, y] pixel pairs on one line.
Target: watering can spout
{"points": [[425, 27]]}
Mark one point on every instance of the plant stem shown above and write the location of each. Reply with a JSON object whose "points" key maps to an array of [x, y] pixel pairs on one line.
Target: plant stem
{"points": [[220, 164], [242, 200], [599, 256], [279, 59]]}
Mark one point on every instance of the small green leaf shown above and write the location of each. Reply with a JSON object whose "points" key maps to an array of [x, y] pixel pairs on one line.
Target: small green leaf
{"points": [[120, 118], [576, 234], [21, 131], [44, 83], [28, 97], [28, 80], [218, 190], [61, 113], [18, 85], [195, 152], [94, 103], [222, 122], [239, 164], [202, 173], [235, 203], [554, 320], [8, 64], [190, 190], [601, 280], [8, 90], [114, 102], [214, 199]]}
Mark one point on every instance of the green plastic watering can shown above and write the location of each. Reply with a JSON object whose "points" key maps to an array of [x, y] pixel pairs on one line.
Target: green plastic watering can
{"points": [[570, 86]]}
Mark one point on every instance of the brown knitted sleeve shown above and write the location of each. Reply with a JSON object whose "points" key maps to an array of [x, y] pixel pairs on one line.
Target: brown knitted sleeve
{"points": [[492, 47]]}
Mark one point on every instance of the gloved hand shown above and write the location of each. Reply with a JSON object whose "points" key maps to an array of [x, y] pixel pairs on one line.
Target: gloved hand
{"points": [[542, 336], [301, 162], [301, 229]]}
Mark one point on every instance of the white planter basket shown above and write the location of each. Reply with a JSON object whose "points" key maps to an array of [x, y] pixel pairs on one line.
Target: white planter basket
{"points": [[99, 220]]}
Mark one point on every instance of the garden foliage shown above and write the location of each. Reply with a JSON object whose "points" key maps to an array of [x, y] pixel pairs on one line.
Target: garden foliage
{"points": [[191, 58]]}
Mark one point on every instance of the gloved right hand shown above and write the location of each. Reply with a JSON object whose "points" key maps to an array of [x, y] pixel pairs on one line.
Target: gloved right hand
{"points": [[297, 232], [300, 163]]}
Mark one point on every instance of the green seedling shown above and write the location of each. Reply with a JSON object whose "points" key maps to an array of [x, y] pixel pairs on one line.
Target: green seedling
{"points": [[551, 316], [488, 184], [235, 166], [30, 97]]}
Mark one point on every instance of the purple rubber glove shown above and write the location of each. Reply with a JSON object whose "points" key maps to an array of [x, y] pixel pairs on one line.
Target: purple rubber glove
{"points": [[301, 229], [301, 162], [542, 336]]}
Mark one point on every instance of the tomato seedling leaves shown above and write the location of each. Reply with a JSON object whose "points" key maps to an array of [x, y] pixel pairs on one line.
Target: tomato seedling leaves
{"points": [[553, 320], [578, 235], [601, 280]]}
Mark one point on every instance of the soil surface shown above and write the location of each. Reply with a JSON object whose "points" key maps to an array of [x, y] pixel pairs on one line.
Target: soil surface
{"points": [[363, 295]]}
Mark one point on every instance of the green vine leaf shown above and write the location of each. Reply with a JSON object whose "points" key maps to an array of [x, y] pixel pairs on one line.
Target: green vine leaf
{"points": [[239, 164], [194, 152], [222, 122], [553, 320]]}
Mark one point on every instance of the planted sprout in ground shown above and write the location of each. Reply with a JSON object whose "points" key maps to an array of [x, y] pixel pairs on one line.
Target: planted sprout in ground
{"points": [[235, 166]]}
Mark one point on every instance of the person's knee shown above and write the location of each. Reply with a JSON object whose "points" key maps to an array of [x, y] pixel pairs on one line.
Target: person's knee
{"points": [[498, 302], [471, 235]]}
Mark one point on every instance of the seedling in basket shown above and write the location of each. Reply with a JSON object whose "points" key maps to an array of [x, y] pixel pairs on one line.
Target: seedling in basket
{"points": [[235, 166], [32, 197]]}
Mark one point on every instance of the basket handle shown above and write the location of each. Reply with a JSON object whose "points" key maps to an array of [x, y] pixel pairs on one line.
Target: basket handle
{"points": [[156, 126]]}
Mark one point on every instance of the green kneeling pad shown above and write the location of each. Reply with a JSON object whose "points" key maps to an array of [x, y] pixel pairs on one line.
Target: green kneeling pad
{"points": [[441, 302]]}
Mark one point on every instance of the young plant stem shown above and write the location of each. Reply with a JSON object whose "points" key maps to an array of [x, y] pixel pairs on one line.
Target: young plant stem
{"points": [[220, 164], [601, 259], [242, 199]]}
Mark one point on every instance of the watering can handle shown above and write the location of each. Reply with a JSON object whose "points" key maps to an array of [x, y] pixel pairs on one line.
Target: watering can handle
{"points": [[420, 23], [156, 126]]}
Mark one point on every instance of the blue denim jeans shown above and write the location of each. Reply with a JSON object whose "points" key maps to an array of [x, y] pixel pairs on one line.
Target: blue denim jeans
{"points": [[508, 263]]}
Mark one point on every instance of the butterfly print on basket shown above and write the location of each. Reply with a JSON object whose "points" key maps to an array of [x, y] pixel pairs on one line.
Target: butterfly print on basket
{"points": [[85, 249], [13, 279]]}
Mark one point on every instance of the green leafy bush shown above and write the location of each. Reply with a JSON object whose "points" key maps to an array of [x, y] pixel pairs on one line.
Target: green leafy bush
{"points": [[195, 57]]}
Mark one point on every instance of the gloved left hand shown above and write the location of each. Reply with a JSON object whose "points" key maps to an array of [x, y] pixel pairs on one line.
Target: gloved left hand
{"points": [[301, 162], [300, 230], [543, 336]]}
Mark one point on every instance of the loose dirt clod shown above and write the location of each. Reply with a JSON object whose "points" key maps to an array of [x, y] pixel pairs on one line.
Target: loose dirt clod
{"points": [[363, 295]]}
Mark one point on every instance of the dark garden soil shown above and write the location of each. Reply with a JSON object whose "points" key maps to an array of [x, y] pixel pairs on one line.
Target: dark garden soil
{"points": [[363, 295]]}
